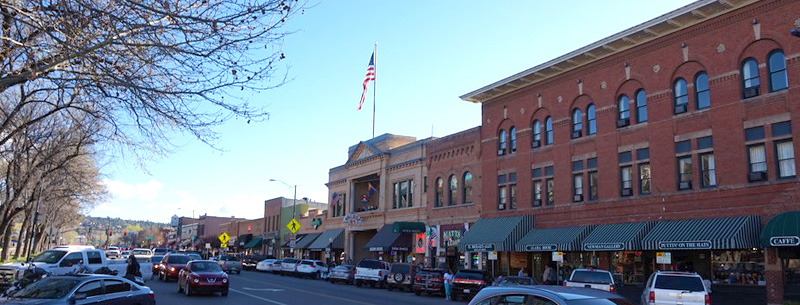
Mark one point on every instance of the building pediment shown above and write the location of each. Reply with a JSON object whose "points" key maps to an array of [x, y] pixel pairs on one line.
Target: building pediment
{"points": [[362, 152]]}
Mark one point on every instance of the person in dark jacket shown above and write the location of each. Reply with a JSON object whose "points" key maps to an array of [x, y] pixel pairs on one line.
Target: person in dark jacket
{"points": [[133, 268]]}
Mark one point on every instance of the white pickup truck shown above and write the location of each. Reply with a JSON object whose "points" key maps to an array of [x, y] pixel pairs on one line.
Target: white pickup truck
{"points": [[63, 260], [592, 278], [371, 272]]}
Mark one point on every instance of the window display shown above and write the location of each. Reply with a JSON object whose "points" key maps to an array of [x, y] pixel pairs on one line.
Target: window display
{"points": [[738, 267]]}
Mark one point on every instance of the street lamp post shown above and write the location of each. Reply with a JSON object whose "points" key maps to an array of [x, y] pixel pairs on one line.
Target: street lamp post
{"points": [[294, 199]]}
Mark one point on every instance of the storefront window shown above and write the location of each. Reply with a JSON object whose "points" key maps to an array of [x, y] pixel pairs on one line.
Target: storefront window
{"points": [[630, 266], [738, 267]]}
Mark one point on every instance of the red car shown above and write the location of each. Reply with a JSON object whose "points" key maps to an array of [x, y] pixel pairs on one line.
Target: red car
{"points": [[170, 265], [203, 276]]}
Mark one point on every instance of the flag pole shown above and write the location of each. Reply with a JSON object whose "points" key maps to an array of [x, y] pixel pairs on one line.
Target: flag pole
{"points": [[374, 87]]}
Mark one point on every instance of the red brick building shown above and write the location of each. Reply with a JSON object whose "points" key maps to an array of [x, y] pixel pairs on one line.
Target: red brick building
{"points": [[674, 136]]}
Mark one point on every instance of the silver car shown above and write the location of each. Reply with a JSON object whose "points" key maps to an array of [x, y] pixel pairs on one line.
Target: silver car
{"points": [[551, 295], [84, 289]]}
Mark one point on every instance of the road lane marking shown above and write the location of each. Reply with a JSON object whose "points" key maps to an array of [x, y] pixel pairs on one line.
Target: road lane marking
{"points": [[257, 297], [350, 301], [262, 289]]}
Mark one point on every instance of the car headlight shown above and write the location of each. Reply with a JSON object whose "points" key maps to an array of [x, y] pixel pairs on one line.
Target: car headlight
{"points": [[224, 280], [171, 268], [196, 280]]}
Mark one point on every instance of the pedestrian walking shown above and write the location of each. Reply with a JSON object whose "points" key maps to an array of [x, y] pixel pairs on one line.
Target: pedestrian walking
{"points": [[448, 283], [549, 275], [521, 272]]}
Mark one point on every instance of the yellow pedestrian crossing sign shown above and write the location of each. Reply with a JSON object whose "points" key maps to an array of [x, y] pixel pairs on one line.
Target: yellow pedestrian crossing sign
{"points": [[224, 238], [293, 226]]}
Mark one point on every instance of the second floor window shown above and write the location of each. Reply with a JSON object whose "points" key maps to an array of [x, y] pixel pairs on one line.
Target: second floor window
{"points": [[577, 123], [777, 71], [591, 120], [452, 190], [439, 200], [750, 78], [623, 107], [403, 194], [502, 143], [641, 106], [701, 91], [548, 131], [466, 195], [507, 191], [512, 132], [536, 141], [681, 93], [784, 151]]}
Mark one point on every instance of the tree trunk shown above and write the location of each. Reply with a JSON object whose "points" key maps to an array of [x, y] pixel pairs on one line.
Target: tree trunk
{"points": [[6, 242], [23, 235]]}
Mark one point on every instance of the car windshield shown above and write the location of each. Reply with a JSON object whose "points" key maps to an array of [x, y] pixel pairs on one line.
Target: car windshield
{"points": [[671, 282], [50, 256], [141, 252], [156, 258], [206, 267], [470, 275], [178, 259], [47, 288], [591, 277]]}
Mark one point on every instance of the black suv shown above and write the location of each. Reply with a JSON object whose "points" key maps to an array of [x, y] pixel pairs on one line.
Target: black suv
{"points": [[429, 280], [401, 276], [468, 282]]}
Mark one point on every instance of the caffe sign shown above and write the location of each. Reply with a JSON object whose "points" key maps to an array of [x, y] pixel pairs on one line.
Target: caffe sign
{"points": [[784, 241]]}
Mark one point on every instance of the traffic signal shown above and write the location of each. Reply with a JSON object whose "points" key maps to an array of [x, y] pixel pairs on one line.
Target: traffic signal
{"points": [[110, 232], [125, 233]]}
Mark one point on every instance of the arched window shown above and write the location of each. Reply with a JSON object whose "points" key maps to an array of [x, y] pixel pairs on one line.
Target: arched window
{"points": [[439, 200], [701, 94], [750, 78], [577, 123], [452, 190], [537, 134], [466, 195], [681, 95], [548, 131], [623, 107], [641, 106], [777, 71], [501, 142], [591, 120], [512, 132]]}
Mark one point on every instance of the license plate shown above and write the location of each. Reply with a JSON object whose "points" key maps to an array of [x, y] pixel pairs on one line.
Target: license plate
{"points": [[466, 290]]}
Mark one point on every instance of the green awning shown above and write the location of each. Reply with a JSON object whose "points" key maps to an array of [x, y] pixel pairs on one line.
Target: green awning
{"points": [[707, 233], [386, 240], [307, 240], [617, 237], [333, 238], [782, 230], [495, 234], [408, 227], [553, 239], [255, 242]]}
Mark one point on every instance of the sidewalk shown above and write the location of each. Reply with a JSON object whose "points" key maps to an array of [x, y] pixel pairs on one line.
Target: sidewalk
{"points": [[725, 294]]}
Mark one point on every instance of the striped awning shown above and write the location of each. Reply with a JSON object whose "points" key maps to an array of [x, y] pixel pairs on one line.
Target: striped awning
{"points": [[387, 240], [782, 230], [307, 240], [333, 238], [707, 233], [495, 234], [617, 237], [553, 239]]}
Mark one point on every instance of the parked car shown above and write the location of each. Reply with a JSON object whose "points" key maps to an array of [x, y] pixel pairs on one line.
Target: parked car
{"points": [[124, 254], [592, 278], [82, 289], [194, 256], [230, 263], [203, 276], [430, 281], [551, 295], [312, 268], [265, 265], [171, 265], [401, 276], [249, 262], [142, 254], [289, 266], [671, 287], [513, 280], [275, 267], [160, 251], [113, 252], [467, 283], [343, 273], [372, 272]]}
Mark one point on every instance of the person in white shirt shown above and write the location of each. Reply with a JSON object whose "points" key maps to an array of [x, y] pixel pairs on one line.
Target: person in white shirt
{"points": [[448, 283]]}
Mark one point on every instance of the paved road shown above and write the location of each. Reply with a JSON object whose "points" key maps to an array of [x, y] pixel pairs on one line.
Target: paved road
{"points": [[252, 287]]}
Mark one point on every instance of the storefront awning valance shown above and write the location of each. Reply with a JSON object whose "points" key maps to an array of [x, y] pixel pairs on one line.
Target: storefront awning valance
{"points": [[386, 240], [408, 227], [782, 230], [333, 238], [617, 237], [254, 243], [495, 234], [707, 233], [553, 239], [307, 240]]}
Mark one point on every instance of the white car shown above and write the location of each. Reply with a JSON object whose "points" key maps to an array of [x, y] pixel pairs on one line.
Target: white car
{"points": [[312, 268], [142, 254], [675, 287], [265, 265], [289, 266], [112, 252], [592, 278]]}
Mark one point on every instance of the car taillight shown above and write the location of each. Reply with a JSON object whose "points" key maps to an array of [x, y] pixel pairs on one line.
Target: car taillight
{"points": [[564, 283], [380, 273], [611, 288], [652, 298], [417, 278], [152, 295], [708, 299]]}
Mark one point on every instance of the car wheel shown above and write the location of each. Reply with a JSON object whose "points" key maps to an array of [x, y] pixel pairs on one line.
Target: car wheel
{"points": [[401, 288], [187, 290], [358, 283], [389, 287], [225, 293], [317, 275], [417, 292], [161, 276]]}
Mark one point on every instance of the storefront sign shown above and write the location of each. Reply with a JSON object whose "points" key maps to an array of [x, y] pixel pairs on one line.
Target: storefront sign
{"points": [[485, 247], [451, 237], [684, 245], [663, 258], [399, 249], [558, 256], [419, 242], [493, 256], [375, 249], [540, 247], [604, 247], [783, 241]]}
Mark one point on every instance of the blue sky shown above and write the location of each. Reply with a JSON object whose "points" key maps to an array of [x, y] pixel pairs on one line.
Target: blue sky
{"points": [[429, 53]]}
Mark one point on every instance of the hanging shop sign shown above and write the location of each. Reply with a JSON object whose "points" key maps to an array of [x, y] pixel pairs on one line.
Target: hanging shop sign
{"points": [[483, 247], [540, 247]]}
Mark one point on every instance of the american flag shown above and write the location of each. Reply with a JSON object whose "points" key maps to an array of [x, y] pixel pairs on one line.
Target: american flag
{"points": [[369, 77], [335, 199]]}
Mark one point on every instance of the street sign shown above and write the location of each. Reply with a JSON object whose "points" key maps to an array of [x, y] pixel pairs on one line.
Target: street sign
{"points": [[224, 238], [558, 256], [663, 258], [223, 245], [293, 226], [493, 255]]}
